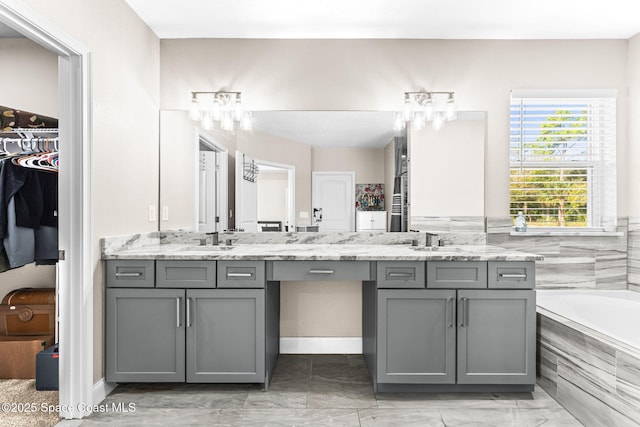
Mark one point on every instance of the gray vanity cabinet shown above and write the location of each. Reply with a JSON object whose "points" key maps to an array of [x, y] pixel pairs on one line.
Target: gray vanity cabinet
{"points": [[145, 337], [416, 336], [496, 336], [225, 335], [173, 333], [449, 335]]}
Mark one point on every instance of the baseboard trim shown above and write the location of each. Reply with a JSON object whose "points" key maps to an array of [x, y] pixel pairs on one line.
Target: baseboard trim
{"points": [[321, 345], [101, 390]]}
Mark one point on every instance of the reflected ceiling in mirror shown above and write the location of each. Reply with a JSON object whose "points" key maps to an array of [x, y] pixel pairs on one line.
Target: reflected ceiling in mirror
{"points": [[373, 129]]}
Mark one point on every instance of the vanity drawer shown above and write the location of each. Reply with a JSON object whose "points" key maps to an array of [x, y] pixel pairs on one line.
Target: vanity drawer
{"points": [[130, 273], [398, 274], [241, 274], [186, 274], [457, 274], [320, 270], [512, 274]]}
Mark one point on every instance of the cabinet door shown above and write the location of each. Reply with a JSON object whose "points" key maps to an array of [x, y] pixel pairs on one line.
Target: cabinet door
{"points": [[496, 337], [379, 220], [363, 221], [225, 335], [416, 336], [145, 335]]}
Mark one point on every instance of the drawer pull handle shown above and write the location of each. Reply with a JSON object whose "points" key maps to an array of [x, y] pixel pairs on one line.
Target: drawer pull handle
{"points": [[321, 271], [239, 274], [136, 274], [513, 276], [400, 275]]}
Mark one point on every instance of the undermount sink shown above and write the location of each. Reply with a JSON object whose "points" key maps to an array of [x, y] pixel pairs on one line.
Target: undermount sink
{"points": [[436, 248], [208, 248]]}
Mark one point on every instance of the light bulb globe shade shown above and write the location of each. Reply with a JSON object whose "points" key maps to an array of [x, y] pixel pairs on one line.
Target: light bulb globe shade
{"points": [[216, 110], [399, 122], [194, 110], [207, 122], [407, 111], [418, 121], [451, 113], [237, 110], [428, 110], [438, 121], [227, 121]]}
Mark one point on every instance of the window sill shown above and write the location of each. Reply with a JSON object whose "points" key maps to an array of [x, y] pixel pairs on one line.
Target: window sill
{"points": [[566, 233]]}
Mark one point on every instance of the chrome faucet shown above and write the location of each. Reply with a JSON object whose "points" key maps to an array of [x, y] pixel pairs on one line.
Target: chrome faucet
{"points": [[428, 238], [214, 238]]}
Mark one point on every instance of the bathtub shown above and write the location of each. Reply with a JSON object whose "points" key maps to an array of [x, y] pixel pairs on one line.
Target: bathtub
{"points": [[614, 314], [588, 353]]}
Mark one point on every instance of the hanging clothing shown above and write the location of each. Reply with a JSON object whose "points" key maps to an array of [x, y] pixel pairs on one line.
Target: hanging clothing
{"points": [[28, 209]]}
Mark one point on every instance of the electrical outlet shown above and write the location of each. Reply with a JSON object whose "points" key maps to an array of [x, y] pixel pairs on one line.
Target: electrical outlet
{"points": [[165, 213], [304, 214], [152, 213]]}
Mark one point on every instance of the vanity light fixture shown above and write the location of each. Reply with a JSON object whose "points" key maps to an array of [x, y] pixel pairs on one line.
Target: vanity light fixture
{"points": [[425, 106], [222, 107]]}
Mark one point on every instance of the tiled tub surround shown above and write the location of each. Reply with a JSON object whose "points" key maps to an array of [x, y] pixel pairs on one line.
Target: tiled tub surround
{"points": [[595, 262], [633, 260], [592, 375]]}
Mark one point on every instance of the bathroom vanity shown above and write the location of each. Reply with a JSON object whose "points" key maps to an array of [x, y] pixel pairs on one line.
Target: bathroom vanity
{"points": [[434, 319]]}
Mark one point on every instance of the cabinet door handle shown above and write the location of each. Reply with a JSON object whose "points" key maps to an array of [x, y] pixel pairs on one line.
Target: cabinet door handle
{"points": [[321, 271], [513, 275], [450, 307], [239, 274], [136, 274], [400, 275], [178, 323], [463, 314], [188, 312]]}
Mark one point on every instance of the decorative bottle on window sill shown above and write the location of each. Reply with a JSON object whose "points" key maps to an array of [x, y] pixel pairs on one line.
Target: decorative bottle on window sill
{"points": [[521, 222]]}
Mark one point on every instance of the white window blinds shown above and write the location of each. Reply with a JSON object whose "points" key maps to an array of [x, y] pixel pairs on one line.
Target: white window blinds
{"points": [[563, 158]]}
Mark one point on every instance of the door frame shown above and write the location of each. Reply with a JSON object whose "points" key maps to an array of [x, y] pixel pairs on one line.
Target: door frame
{"points": [[222, 187], [291, 187], [352, 206], [75, 272]]}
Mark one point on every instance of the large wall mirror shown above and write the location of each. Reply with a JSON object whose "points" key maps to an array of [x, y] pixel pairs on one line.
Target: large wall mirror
{"points": [[263, 179]]}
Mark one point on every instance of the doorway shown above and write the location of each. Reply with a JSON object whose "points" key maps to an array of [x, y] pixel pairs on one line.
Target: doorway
{"points": [[75, 272], [333, 200], [276, 196], [212, 200]]}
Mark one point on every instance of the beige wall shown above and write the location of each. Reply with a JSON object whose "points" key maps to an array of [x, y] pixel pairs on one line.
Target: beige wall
{"points": [[125, 89], [30, 83], [272, 196], [632, 156], [367, 163], [446, 169], [373, 74]]}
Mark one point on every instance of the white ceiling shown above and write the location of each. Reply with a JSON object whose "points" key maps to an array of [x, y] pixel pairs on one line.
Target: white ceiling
{"points": [[392, 19], [328, 128]]}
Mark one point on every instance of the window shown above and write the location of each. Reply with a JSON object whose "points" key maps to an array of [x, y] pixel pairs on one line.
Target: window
{"points": [[563, 158]]}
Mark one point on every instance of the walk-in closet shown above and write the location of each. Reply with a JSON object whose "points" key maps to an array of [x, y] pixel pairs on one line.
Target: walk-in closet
{"points": [[29, 166]]}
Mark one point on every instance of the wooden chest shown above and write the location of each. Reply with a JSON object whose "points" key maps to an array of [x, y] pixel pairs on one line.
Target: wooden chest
{"points": [[28, 312]]}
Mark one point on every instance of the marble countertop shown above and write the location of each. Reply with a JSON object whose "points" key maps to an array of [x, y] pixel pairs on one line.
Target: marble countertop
{"points": [[308, 252]]}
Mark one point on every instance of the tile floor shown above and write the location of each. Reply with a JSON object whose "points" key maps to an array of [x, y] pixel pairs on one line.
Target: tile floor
{"points": [[322, 390]]}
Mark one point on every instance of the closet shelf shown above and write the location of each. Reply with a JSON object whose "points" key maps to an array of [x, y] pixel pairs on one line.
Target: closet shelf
{"points": [[30, 133]]}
